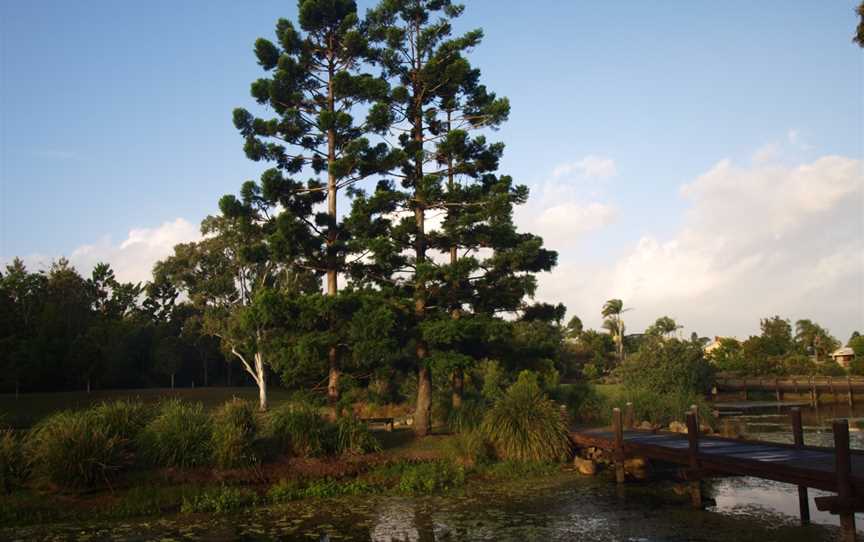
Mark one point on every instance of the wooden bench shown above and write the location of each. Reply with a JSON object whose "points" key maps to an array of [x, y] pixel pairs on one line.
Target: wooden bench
{"points": [[386, 422]]}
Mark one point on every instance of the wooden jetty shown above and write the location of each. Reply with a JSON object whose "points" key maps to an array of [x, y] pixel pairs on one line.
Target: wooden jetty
{"points": [[838, 469], [813, 388]]}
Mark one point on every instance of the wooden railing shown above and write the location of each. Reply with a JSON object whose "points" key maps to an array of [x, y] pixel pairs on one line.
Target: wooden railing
{"points": [[811, 387]]}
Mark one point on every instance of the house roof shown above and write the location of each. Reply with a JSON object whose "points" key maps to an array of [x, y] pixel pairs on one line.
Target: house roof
{"points": [[845, 351]]}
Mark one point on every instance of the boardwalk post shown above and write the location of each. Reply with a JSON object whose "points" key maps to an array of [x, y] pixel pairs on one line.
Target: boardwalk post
{"points": [[629, 416], [798, 435], [618, 431], [842, 469], [849, 385], [693, 442]]}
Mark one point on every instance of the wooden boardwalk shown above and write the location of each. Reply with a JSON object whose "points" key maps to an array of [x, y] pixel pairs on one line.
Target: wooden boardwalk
{"points": [[838, 469]]}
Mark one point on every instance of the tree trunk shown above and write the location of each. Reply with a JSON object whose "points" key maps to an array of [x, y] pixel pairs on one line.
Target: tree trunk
{"points": [[172, 381], [88, 384], [333, 379], [17, 388], [332, 264], [458, 387], [206, 373], [423, 412], [261, 379]]}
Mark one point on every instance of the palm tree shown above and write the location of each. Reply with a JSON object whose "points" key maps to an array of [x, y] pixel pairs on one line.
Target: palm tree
{"points": [[613, 322]]}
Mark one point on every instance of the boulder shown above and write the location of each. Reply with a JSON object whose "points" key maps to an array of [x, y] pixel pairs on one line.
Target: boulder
{"points": [[585, 466], [678, 427]]}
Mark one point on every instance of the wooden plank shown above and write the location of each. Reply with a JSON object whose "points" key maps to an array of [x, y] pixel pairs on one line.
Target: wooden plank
{"points": [[798, 436], [843, 469]]}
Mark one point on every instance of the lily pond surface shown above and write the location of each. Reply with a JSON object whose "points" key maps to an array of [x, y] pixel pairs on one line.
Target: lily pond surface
{"points": [[554, 508]]}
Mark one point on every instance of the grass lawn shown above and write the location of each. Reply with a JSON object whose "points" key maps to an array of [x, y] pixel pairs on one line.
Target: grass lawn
{"points": [[29, 408]]}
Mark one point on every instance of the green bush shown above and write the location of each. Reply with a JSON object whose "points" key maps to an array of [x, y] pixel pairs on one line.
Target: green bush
{"points": [[431, 477], [668, 365], [76, 450], [524, 425], [218, 500], [300, 430], [354, 437], [467, 417], [292, 490], [234, 430], [179, 436], [663, 408], [468, 448], [13, 466], [583, 402], [123, 418]]}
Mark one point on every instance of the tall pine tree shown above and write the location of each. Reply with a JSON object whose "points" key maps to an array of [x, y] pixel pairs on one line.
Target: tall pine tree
{"points": [[315, 87]]}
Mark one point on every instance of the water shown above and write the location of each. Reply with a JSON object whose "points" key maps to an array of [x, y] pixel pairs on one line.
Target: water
{"points": [[564, 507]]}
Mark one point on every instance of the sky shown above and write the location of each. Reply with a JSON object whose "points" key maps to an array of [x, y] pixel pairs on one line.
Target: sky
{"points": [[701, 160]]}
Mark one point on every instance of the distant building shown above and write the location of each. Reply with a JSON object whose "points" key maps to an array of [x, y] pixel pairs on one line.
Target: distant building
{"points": [[716, 343], [843, 356]]}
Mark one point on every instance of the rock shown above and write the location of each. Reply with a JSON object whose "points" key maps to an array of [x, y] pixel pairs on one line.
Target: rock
{"points": [[585, 466], [634, 464], [677, 427], [648, 426]]}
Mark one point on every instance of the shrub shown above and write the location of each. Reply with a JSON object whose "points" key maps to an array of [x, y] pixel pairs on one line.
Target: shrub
{"points": [[13, 467], [468, 448], [291, 490], [234, 431], [431, 477], [179, 436], [125, 419], [218, 500], [300, 430], [662, 408], [583, 402], [76, 450], [524, 425], [668, 365], [354, 437], [467, 417]]}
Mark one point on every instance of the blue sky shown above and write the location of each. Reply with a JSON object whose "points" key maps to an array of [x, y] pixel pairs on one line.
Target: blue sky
{"points": [[116, 118]]}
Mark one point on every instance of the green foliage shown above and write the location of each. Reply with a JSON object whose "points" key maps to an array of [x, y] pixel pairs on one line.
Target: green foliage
{"points": [[354, 437], [666, 366], [300, 430], [431, 477], [493, 380], [856, 343], [179, 436], [13, 465], [76, 450], [218, 500], [524, 425], [468, 448], [292, 490], [583, 402], [234, 431], [856, 366], [512, 470], [467, 417], [123, 418], [665, 407]]}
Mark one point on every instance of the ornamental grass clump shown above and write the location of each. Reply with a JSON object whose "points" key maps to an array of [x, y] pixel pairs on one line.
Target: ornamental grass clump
{"points": [[13, 466], [354, 437], [178, 436], [235, 428], [524, 425], [76, 450], [299, 429], [124, 418]]}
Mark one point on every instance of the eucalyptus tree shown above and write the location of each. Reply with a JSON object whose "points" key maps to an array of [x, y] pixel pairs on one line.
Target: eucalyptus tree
{"points": [[315, 87], [230, 275], [443, 173]]}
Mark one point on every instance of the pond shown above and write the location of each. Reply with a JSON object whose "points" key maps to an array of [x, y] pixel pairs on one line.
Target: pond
{"points": [[562, 507]]}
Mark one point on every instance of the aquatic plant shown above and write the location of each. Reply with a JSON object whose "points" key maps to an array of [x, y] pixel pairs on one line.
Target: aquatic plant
{"points": [[431, 477], [234, 430], [179, 436], [218, 500], [525, 425]]}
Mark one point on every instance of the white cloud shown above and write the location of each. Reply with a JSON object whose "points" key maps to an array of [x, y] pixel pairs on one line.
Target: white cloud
{"points": [[132, 259], [562, 210], [591, 166], [756, 241]]}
